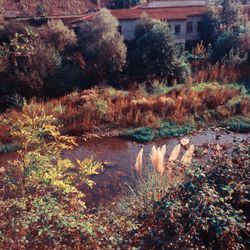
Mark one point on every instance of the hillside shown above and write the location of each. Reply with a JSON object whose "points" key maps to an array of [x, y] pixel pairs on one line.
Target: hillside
{"points": [[52, 7]]}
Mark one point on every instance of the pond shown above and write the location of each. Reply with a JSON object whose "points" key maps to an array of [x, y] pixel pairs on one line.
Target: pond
{"points": [[118, 156]]}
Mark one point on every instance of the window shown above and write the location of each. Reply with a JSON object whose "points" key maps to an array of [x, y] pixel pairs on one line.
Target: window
{"points": [[177, 29], [199, 26], [120, 29], [169, 26], [189, 27]]}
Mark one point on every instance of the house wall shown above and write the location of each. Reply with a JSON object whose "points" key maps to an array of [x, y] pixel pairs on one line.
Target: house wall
{"points": [[128, 29], [175, 3]]}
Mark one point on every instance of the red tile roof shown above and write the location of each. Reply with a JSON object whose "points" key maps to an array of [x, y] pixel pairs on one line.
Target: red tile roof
{"points": [[160, 13], [180, 13]]}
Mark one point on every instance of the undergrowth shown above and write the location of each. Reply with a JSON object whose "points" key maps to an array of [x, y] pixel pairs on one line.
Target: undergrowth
{"points": [[237, 124], [9, 147], [208, 211], [167, 129]]}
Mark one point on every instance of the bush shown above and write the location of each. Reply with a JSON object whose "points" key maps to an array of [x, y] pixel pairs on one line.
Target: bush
{"points": [[238, 124], [42, 205], [182, 70], [167, 129], [141, 134], [10, 29], [9, 147], [210, 210]]}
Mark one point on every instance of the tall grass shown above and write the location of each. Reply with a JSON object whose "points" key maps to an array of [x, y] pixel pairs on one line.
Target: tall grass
{"points": [[152, 181], [103, 107]]}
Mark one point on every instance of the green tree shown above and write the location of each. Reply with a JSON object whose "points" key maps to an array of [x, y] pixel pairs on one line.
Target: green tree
{"points": [[224, 30], [28, 63], [144, 25], [40, 10], [210, 27], [102, 46], [124, 4], [58, 35], [232, 15], [155, 50]]}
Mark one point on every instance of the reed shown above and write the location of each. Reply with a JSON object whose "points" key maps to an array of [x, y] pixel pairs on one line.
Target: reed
{"points": [[157, 158], [187, 157], [138, 163]]}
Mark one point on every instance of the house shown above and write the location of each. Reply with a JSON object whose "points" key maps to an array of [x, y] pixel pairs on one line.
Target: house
{"points": [[184, 22]]}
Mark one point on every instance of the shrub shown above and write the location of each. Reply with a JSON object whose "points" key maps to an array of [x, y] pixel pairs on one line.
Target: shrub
{"points": [[42, 204], [10, 29], [182, 70], [9, 147], [141, 134], [167, 129], [238, 124], [208, 211]]}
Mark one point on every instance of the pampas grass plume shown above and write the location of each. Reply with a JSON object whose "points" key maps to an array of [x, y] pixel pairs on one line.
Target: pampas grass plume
{"points": [[187, 157], [153, 156], [157, 158], [175, 153], [138, 163]]}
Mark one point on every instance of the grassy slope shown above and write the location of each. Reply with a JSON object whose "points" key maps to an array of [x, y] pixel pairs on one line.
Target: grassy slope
{"points": [[52, 7]]}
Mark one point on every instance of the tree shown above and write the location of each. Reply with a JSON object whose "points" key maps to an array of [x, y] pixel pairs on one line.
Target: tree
{"points": [[210, 27], [223, 31], [40, 10], [155, 51], [232, 15], [28, 63], [124, 4], [58, 35], [1, 13], [102, 46], [144, 25]]}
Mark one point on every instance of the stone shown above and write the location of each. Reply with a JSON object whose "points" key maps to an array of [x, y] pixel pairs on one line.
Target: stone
{"points": [[184, 142]]}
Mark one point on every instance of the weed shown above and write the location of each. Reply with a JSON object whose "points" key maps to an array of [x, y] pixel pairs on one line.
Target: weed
{"points": [[9, 147], [237, 124]]}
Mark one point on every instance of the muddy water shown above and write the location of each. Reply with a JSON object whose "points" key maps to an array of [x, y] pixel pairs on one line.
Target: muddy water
{"points": [[118, 156]]}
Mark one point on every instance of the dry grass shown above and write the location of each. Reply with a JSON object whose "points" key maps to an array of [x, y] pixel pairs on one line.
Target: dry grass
{"points": [[100, 108], [58, 7], [221, 73]]}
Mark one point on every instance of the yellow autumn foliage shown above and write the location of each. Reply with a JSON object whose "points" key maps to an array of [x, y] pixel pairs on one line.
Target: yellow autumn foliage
{"points": [[39, 166]]}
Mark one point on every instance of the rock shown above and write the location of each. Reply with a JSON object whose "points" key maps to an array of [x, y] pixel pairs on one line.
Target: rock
{"points": [[184, 142], [218, 137]]}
